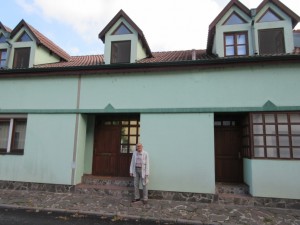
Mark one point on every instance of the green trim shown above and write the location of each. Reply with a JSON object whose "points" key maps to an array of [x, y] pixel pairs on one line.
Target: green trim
{"points": [[265, 108]]}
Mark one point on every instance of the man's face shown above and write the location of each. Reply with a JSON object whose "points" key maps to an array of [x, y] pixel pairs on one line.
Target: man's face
{"points": [[139, 147]]}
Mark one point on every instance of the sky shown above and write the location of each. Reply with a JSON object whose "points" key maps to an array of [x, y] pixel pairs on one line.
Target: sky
{"points": [[168, 25]]}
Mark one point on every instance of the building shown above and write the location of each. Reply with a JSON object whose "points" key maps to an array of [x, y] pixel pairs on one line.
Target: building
{"points": [[230, 113]]}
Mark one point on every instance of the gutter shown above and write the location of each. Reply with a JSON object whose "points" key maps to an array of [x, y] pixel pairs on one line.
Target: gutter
{"points": [[150, 67]]}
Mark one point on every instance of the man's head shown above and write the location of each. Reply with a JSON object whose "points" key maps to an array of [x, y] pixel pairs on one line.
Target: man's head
{"points": [[139, 147]]}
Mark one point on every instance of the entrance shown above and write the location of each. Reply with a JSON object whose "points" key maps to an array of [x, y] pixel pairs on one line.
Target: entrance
{"points": [[228, 150], [114, 141]]}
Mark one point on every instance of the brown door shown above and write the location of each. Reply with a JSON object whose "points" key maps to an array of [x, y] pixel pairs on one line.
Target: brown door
{"points": [[106, 150], [228, 160]]}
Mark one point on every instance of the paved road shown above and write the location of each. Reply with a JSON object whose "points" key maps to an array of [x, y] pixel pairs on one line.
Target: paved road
{"points": [[31, 217]]}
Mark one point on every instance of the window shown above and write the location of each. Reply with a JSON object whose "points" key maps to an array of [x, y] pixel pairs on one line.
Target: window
{"points": [[269, 16], [3, 56], [271, 41], [12, 135], [21, 58], [276, 135], [236, 44], [234, 19], [2, 38], [24, 38], [120, 52], [122, 29]]}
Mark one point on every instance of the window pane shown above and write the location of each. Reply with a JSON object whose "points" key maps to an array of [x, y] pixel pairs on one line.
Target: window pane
{"points": [[132, 148], [270, 129], [272, 152], [218, 123], [269, 118], [24, 38], [296, 140], [19, 135], [296, 153], [2, 38], [120, 52], [21, 58], [234, 19], [295, 129], [122, 30], [241, 50], [271, 141], [269, 17], [4, 130], [124, 148], [259, 152], [295, 118], [226, 123], [124, 140], [230, 51], [229, 40], [132, 140], [124, 130], [257, 118], [284, 153], [283, 129], [271, 41], [282, 118], [125, 122], [241, 39], [258, 129], [133, 131], [284, 141], [258, 140]]}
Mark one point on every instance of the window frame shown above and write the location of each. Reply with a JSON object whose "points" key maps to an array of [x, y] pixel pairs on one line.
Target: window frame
{"points": [[10, 150], [260, 31], [235, 44], [276, 136], [1, 59], [112, 60], [17, 53]]}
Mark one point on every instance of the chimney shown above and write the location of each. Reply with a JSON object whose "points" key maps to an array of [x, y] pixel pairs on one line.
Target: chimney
{"points": [[193, 54]]}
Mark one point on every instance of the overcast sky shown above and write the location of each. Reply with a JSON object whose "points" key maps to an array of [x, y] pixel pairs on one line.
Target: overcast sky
{"points": [[74, 25]]}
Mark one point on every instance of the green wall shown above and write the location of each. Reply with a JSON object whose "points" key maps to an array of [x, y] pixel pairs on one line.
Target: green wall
{"points": [[181, 150], [273, 178], [48, 151]]}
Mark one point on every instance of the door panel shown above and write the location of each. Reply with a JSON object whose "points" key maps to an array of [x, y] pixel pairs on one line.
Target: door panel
{"points": [[228, 160], [106, 150]]}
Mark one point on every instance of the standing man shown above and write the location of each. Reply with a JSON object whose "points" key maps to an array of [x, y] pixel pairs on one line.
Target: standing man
{"points": [[139, 169]]}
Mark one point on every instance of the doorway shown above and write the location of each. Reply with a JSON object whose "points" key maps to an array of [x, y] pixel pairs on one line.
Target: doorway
{"points": [[115, 138], [228, 149]]}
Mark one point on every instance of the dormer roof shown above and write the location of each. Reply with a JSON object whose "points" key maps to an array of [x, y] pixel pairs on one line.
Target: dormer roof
{"points": [[295, 18], [5, 28], [141, 35], [41, 40]]}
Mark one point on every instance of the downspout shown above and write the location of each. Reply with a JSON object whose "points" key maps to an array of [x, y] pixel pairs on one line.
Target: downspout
{"points": [[76, 133], [253, 14], [8, 53]]}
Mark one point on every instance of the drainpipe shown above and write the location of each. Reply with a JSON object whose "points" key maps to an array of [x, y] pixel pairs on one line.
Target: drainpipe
{"points": [[253, 14], [8, 53]]}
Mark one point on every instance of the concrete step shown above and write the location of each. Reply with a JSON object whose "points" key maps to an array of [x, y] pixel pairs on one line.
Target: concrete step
{"points": [[235, 199], [109, 181], [229, 188]]}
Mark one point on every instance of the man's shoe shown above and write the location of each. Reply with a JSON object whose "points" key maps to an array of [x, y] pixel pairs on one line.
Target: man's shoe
{"points": [[135, 200]]}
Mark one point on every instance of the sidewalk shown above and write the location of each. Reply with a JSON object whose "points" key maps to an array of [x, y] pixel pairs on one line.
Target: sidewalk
{"points": [[157, 210]]}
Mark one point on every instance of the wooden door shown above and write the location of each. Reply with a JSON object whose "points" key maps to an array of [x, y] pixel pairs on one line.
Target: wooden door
{"points": [[106, 150], [228, 160]]}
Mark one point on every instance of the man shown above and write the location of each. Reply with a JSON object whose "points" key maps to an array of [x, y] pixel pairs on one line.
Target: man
{"points": [[139, 169]]}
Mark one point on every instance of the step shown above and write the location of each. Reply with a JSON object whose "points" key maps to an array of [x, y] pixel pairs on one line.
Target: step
{"points": [[235, 199], [109, 181], [232, 188], [104, 190]]}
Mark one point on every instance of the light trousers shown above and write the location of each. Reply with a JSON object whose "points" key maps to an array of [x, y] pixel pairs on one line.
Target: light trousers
{"points": [[137, 180]]}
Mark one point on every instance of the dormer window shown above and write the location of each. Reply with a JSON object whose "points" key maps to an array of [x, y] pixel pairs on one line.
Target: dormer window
{"points": [[236, 44], [24, 38], [122, 29], [120, 51], [2, 38], [234, 19], [269, 16], [271, 41], [21, 58], [3, 56]]}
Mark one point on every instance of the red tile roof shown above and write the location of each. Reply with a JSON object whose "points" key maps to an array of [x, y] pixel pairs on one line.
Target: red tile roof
{"points": [[88, 60], [41, 40], [5, 28]]}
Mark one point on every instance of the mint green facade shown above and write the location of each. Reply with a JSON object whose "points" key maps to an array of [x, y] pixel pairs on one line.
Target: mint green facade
{"points": [[176, 120]]}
